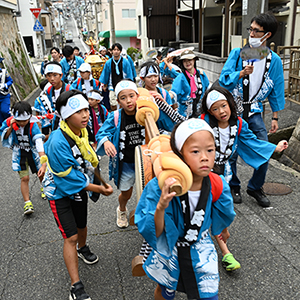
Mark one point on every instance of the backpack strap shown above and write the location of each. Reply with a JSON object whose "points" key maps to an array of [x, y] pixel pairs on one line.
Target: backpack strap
{"points": [[15, 126], [202, 116], [240, 125], [216, 186], [78, 81], [68, 87], [164, 94], [30, 130], [116, 117], [49, 89]]}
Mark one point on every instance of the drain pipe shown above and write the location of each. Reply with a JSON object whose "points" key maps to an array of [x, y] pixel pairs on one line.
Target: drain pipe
{"points": [[229, 26], [262, 8]]}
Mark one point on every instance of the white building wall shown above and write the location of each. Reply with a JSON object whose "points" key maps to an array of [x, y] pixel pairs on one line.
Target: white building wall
{"points": [[120, 22], [26, 23]]}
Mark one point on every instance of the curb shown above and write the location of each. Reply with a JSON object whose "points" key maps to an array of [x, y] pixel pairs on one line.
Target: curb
{"points": [[278, 165]]}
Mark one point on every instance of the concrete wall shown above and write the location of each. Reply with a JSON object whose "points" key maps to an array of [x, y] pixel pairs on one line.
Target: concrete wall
{"points": [[211, 65], [14, 56]]}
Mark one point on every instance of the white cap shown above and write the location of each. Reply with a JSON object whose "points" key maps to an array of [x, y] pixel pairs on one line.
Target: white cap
{"points": [[187, 128], [85, 67], [213, 97]]}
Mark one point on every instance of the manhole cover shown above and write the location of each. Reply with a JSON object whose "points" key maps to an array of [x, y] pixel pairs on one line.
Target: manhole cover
{"points": [[272, 188]]}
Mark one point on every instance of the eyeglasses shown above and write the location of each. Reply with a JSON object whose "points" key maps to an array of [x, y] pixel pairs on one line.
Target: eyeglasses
{"points": [[255, 31]]}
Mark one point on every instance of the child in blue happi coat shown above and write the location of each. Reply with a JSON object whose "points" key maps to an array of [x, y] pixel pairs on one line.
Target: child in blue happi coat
{"points": [[183, 257], [98, 114], [150, 75], [232, 134], [85, 82], [21, 133], [70, 168], [118, 137], [43, 108], [189, 86]]}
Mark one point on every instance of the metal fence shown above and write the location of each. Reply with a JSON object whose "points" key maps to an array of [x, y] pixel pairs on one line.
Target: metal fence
{"points": [[290, 61]]}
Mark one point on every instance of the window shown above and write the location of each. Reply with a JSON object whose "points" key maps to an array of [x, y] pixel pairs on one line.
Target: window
{"points": [[140, 25], [128, 13], [44, 22], [106, 16]]}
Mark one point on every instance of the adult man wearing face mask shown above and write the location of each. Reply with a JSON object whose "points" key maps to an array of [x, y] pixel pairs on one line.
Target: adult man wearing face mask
{"points": [[253, 83]]}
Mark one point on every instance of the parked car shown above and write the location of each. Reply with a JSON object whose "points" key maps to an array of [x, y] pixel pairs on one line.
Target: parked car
{"points": [[69, 36]]}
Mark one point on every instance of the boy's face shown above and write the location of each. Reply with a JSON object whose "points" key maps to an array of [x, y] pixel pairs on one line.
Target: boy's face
{"points": [[199, 153], [70, 57], [127, 100], [79, 120], [54, 79], [116, 52], [151, 82], [93, 102], [76, 52], [85, 75], [22, 123]]}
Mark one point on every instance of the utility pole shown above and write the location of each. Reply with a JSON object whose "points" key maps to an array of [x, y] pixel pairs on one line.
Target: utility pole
{"points": [[96, 17], [112, 22], [200, 27]]}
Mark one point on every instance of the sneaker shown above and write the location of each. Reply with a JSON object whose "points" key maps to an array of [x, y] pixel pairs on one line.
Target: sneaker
{"points": [[77, 292], [230, 263], [28, 208], [260, 197], [122, 221], [43, 195], [236, 194], [86, 255]]}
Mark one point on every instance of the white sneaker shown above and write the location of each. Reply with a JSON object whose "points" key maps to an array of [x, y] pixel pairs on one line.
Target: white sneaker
{"points": [[122, 221]]}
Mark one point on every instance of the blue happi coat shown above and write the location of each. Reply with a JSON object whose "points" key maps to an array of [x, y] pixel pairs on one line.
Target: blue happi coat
{"points": [[60, 159], [166, 96], [110, 131], [77, 84], [12, 142], [162, 264], [66, 67], [40, 108], [181, 90], [272, 86], [166, 71], [106, 77]]}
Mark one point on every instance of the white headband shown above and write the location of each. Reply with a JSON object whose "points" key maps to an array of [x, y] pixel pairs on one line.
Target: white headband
{"points": [[151, 71], [23, 117], [53, 68], [95, 95], [74, 104], [187, 128], [213, 97], [125, 85]]}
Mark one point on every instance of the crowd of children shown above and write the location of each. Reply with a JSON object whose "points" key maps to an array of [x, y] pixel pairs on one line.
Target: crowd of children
{"points": [[72, 127]]}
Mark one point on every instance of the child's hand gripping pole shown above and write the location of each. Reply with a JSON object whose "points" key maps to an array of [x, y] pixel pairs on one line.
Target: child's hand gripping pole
{"points": [[166, 164]]}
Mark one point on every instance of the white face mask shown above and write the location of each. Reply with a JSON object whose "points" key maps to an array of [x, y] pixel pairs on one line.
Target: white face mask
{"points": [[256, 42]]}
